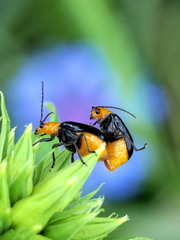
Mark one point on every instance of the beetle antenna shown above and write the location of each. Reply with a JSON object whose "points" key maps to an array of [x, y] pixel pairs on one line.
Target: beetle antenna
{"points": [[119, 109], [42, 100], [47, 116]]}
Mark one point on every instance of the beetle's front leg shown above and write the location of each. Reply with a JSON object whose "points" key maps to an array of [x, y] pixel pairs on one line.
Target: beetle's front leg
{"points": [[45, 139]]}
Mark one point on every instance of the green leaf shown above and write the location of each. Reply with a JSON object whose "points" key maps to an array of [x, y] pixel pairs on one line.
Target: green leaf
{"points": [[43, 148], [81, 205], [90, 206], [68, 227], [41, 237], [51, 195], [22, 234], [134, 238], [83, 200], [5, 207], [51, 107], [11, 141], [22, 185], [22, 153], [99, 228], [5, 129], [21, 167], [42, 169]]}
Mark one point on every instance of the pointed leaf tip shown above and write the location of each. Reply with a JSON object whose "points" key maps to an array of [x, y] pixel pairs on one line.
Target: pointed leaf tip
{"points": [[5, 129], [3, 167]]}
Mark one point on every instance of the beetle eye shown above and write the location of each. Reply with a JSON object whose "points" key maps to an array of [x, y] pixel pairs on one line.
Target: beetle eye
{"points": [[97, 111], [41, 125]]}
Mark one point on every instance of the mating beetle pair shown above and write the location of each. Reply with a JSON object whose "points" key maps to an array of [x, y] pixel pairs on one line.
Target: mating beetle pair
{"points": [[85, 139]]}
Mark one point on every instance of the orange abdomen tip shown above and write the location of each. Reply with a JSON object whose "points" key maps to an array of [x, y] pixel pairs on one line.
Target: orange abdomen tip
{"points": [[94, 143], [117, 154]]}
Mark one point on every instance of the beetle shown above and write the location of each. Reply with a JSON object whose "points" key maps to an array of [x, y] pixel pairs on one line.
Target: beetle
{"points": [[76, 137], [120, 144]]}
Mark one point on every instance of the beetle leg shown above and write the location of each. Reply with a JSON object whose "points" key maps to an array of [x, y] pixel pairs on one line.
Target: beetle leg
{"points": [[139, 149], [95, 122], [135, 148], [45, 139], [53, 155], [77, 150], [72, 157], [42, 135], [87, 145]]}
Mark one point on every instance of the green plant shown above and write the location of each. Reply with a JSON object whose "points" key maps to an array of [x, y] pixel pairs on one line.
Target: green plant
{"points": [[36, 204]]}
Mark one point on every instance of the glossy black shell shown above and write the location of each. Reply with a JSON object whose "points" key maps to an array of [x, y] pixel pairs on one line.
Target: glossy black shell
{"points": [[67, 134], [113, 128]]}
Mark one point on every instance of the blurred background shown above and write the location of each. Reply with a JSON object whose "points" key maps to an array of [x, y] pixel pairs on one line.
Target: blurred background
{"points": [[119, 53]]}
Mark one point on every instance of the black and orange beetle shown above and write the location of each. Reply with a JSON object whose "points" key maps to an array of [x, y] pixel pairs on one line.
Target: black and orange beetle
{"points": [[119, 141], [76, 137]]}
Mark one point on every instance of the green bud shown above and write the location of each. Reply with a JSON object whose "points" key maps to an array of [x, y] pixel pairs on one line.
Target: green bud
{"points": [[5, 129], [99, 228], [5, 206], [51, 195], [21, 167], [67, 227]]}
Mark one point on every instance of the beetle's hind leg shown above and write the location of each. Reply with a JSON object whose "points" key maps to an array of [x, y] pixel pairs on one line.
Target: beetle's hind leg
{"points": [[138, 149], [87, 145], [80, 157], [77, 150], [132, 144]]}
